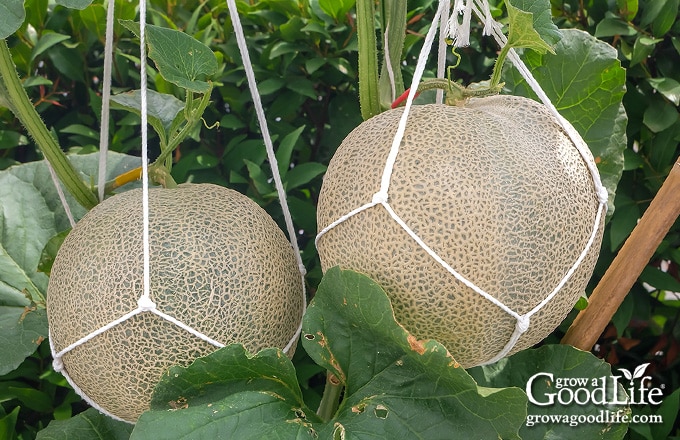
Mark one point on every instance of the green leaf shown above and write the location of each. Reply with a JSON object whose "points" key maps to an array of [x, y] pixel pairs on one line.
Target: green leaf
{"points": [[623, 221], [31, 398], [30, 215], [180, 58], [258, 178], [49, 252], [88, 425], [11, 139], [669, 411], [586, 83], [75, 4], [22, 329], [660, 280], [162, 109], [666, 18], [660, 115], [612, 25], [336, 8], [394, 383], [642, 49], [13, 14], [46, 41], [94, 19], [521, 31], [303, 174], [8, 425], [628, 8], [229, 394], [285, 151], [541, 18], [560, 361], [668, 87]]}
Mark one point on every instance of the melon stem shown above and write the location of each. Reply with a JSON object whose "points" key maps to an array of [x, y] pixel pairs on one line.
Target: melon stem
{"points": [[330, 400]]}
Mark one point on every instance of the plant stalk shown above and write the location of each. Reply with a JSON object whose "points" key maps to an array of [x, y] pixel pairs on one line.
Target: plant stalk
{"points": [[369, 90], [628, 264], [330, 401], [23, 109]]}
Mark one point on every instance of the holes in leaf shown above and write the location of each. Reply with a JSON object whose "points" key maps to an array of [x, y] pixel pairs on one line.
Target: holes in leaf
{"points": [[339, 432], [381, 411], [309, 337]]}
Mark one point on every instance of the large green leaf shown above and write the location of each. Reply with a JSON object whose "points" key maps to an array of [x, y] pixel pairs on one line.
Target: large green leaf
{"points": [[13, 14], [229, 394], [397, 386], [180, 58], [586, 83], [31, 214], [562, 362], [394, 383], [88, 425], [541, 18]]}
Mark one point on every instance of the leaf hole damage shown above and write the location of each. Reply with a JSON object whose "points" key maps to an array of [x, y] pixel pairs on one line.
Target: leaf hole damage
{"points": [[338, 432], [300, 414], [309, 337], [180, 403], [381, 411]]}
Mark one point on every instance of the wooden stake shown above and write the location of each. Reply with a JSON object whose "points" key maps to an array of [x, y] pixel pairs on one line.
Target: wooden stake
{"points": [[628, 264]]}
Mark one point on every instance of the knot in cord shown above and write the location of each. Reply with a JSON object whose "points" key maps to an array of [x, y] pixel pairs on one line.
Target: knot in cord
{"points": [[602, 194], [523, 323], [58, 364], [380, 197], [145, 304]]}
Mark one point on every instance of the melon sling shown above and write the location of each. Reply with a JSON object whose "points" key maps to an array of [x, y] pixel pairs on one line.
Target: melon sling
{"points": [[489, 232], [218, 264]]}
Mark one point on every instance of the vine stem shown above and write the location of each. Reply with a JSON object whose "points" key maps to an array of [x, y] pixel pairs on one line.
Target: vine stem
{"points": [[23, 109], [628, 264], [330, 400], [369, 90]]}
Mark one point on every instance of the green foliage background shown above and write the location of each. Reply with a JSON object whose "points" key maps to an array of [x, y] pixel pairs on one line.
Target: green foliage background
{"points": [[304, 54]]}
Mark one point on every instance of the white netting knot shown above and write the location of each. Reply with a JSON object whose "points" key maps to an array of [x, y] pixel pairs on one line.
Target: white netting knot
{"points": [[58, 364], [380, 197], [523, 323], [602, 194], [145, 304]]}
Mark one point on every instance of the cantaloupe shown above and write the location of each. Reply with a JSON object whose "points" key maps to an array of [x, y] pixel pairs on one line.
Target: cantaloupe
{"points": [[218, 263], [496, 189]]}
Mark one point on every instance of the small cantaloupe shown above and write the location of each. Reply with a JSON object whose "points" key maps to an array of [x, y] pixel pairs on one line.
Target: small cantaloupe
{"points": [[218, 263], [496, 189]]}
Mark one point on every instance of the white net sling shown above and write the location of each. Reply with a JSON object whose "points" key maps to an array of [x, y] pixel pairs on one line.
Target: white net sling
{"points": [[458, 30], [145, 304]]}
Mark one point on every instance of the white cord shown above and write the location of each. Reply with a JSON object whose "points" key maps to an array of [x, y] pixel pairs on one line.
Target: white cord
{"points": [[259, 111], [417, 76], [60, 193], [106, 100], [144, 302]]}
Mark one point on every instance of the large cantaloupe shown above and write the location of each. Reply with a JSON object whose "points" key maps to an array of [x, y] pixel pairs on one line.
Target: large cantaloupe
{"points": [[218, 263], [496, 189]]}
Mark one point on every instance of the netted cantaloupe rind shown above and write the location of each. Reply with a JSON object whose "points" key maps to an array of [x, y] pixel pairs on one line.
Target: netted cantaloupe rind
{"points": [[218, 263], [496, 190]]}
